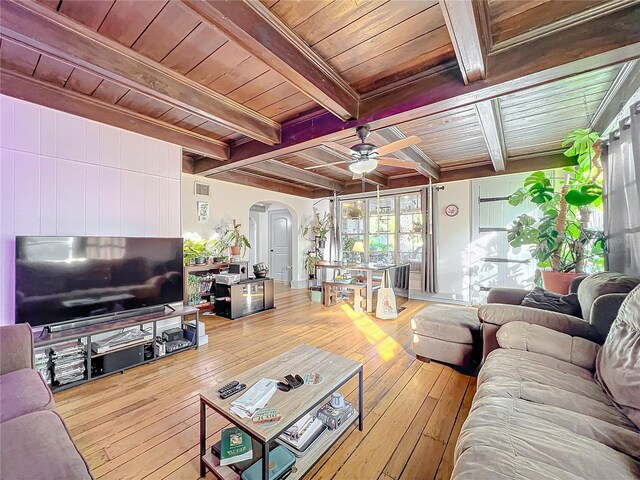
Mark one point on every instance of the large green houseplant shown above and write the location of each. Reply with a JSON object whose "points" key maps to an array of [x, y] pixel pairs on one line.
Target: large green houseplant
{"points": [[560, 235]]}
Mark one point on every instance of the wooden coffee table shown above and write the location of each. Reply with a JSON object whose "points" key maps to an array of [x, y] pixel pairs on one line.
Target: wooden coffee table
{"points": [[293, 405]]}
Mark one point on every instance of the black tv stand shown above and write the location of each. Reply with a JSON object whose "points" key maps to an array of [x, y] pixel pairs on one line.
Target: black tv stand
{"points": [[85, 333]]}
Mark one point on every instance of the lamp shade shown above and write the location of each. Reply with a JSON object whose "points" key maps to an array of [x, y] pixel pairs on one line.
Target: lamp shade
{"points": [[363, 166], [358, 247]]}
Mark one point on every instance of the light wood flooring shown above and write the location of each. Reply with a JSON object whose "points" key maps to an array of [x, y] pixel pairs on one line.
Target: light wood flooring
{"points": [[144, 423]]}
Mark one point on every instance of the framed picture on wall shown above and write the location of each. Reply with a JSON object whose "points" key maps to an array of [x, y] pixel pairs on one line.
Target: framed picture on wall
{"points": [[203, 211]]}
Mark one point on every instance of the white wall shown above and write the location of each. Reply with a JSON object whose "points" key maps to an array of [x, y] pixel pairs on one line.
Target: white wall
{"points": [[65, 175], [231, 200], [453, 237]]}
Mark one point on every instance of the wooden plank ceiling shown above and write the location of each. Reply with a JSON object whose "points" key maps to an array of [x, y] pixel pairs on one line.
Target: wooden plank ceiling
{"points": [[252, 90]]}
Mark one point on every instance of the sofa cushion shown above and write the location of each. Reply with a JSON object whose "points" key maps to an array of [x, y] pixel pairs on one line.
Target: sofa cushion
{"points": [[21, 392], [554, 302], [537, 417], [602, 283], [618, 361], [38, 445], [447, 322]]}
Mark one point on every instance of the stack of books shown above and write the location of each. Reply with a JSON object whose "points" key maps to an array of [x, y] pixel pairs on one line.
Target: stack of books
{"points": [[244, 456], [43, 364], [68, 362], [302, 435]]}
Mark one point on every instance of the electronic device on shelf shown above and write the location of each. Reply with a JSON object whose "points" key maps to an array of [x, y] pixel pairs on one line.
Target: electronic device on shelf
{"points": [[176, 345], [94, 279], [227, 278], [241, 268], [173, 334], [121, 340]]}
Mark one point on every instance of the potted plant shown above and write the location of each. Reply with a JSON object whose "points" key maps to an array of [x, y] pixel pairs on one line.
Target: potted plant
{"points": [[238, 242], [310, 263], [560, 235], [319, 227], [195, 252]]}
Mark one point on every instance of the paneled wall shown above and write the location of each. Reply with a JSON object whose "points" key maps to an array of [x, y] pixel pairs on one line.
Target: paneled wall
{"points": [[65, 175]]}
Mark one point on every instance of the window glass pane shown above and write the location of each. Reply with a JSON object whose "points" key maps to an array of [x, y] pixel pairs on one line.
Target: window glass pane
{"points": [[411, 203], [348, 243], [352, 217]]}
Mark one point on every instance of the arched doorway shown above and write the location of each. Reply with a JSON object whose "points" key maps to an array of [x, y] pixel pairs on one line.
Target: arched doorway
{"points": [[274, 239]]}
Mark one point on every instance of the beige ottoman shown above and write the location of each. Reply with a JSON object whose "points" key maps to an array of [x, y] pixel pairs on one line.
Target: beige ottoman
{"points": [[449, 334]]}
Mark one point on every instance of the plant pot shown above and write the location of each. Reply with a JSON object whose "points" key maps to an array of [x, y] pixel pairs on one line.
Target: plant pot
{"points": [[200, 261], [235, 250], [218, 259], [311, 276], [558, 282]]}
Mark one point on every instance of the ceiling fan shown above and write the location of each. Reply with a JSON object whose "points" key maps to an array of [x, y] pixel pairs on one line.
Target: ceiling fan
{"points": [[365, 157]]}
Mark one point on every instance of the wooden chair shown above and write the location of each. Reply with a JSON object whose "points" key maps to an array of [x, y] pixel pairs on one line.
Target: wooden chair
{"points": [[330, 294]]}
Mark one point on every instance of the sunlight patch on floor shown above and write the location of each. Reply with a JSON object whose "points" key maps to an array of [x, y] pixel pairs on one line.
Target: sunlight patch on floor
{"points": [[383, 343]]}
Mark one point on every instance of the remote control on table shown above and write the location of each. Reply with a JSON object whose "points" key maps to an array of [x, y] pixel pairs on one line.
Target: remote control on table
{"points": [[228, 386], [231, 392]]}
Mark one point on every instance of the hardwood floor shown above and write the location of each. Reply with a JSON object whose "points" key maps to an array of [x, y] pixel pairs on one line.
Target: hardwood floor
{"points": [[144, 423]]}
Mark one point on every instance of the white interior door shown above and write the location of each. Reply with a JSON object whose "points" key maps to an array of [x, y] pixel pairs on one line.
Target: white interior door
{"points": [[494, 263], [280, 245]]}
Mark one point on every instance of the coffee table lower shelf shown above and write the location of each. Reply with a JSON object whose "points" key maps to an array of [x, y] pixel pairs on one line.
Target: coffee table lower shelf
{"points": [[302, 465]]}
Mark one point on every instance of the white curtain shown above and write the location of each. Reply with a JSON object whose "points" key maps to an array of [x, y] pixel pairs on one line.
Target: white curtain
{"points": [[622, 195]]}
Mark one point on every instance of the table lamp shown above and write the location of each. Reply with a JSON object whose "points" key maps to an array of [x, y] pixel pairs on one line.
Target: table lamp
{"points": [[358, 247]]}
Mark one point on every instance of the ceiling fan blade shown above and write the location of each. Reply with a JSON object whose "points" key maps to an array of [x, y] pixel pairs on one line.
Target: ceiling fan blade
{"points": [[339, 148], [398, 145], [313, 167], [395, 162]]}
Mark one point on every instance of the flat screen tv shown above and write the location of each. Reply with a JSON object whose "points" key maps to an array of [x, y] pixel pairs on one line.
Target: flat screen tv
{"points": [[67, 279]]}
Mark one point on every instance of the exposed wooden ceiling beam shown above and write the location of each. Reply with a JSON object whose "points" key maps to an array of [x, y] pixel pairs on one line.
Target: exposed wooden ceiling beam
{"points": [[595, 45], [626, 83], [43, 93], [580, 16], [425, 165], [490, 119], [257, 30], [264, 183], [296, 175], [40, 28], [469, 28]]}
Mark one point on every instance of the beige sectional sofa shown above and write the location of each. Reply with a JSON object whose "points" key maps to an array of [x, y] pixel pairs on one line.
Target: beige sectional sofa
{"points": [[34, 441], [551, 405]]}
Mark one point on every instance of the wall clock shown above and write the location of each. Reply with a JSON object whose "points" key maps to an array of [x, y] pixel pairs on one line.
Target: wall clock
{"points": [[451, 210]]}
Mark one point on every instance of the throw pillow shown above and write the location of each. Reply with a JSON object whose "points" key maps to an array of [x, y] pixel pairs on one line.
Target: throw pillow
{"points": [[554, 302]]}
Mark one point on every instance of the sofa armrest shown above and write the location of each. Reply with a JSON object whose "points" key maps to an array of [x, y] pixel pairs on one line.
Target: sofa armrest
{"points": [[534, 338], [604, 311], [496, 315], [510, 296], [16, 348]]}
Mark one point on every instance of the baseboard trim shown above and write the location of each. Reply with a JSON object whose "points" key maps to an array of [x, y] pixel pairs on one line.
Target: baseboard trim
{"points": [[298, 284]]}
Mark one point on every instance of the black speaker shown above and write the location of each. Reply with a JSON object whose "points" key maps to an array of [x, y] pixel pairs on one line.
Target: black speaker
{"points": [[112, 362]]}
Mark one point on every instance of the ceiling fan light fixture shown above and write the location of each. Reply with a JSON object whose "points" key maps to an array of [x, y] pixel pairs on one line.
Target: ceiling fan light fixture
{"points": [[363, 166]]}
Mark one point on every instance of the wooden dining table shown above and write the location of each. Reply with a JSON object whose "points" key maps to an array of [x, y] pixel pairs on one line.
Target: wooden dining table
{"points": [[368, 268]]}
